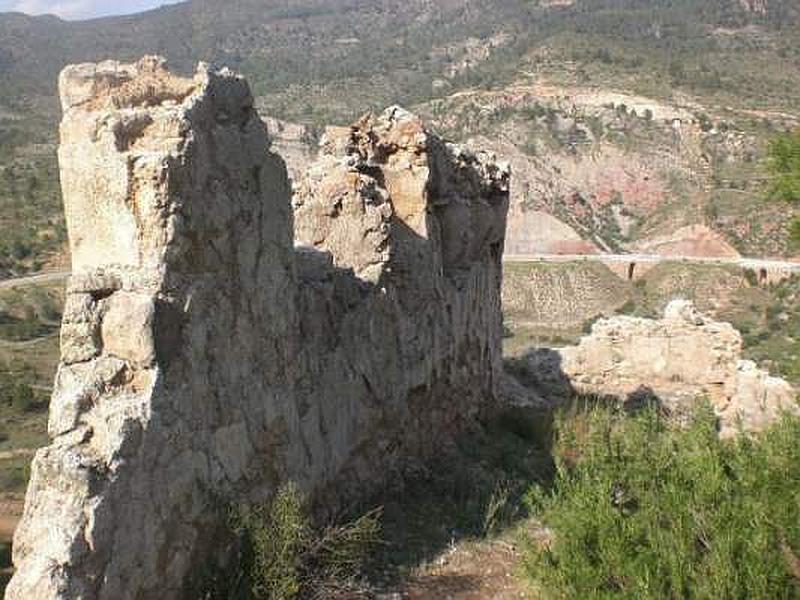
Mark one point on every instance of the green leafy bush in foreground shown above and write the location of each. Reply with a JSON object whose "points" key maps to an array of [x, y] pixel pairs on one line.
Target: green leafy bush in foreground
{"points": [[285, 557], [278, 535], [640, 509]]}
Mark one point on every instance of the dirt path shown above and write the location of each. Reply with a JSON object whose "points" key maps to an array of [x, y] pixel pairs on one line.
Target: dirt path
{"points": [[33, 279], [12, 454], [28, 343], [469, 571]]}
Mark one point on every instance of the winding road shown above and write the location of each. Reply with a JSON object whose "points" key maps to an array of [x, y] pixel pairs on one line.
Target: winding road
{"points": [[742, 262], [34, 279], [756, 264]]}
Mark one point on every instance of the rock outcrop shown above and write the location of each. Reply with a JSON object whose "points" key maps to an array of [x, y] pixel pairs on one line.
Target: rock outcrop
{"points": [[681, 358], [206, 359]]}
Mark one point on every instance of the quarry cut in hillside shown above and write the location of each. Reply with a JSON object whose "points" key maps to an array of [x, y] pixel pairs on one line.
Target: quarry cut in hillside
{"points": [[690, 241], [206, 359]]}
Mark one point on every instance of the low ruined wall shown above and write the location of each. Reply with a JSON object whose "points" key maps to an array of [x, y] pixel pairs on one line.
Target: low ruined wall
{"points": [[679, 359], [206, 359]]}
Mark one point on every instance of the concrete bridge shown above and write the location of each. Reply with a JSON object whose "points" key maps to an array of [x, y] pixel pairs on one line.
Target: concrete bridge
{"points": [[634, 266]]}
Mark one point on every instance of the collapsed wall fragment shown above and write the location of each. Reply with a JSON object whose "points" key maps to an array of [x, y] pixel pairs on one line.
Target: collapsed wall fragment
{"points": [[679, 359], [206, 360]]}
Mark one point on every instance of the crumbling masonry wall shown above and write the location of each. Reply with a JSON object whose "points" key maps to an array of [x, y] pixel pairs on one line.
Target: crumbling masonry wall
{"points": [[206, 358], [683, 357]]}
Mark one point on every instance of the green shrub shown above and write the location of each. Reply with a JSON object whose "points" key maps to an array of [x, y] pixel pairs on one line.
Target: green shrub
{"points": [[751, 277], [629, 308], [5, 555], [4, 579], [5, 563], [586, 326], [19, 477], [288, 558], [279, 534], [774, 311], [498, 508], [642, 509], [21, 397], [784, 167]]}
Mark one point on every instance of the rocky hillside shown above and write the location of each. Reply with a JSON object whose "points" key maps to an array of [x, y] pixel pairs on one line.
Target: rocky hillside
{"points": [[622, 169], [624, 118]]}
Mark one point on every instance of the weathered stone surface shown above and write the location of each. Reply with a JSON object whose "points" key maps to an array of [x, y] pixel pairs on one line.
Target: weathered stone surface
{"points": [[680, 358], [206, 359], [386, 184], [128, 328], [80, 327]]}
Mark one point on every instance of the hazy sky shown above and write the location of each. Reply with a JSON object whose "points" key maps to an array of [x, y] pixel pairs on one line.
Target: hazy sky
{"points": [[81, 9]]}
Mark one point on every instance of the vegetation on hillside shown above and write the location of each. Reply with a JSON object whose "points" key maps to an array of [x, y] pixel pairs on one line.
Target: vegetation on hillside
{"points": [[641, 508], [22, 429], [784, 167], [32, 228], [637, 508], [308, 62], [639, 505], [29, 351]]}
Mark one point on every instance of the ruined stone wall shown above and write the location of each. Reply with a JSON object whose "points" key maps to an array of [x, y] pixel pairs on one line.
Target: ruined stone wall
{"points": [[679, 359], [206, 359]]}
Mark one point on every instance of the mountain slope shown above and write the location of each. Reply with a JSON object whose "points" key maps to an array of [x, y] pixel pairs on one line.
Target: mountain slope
{"points": [[318, 62]]}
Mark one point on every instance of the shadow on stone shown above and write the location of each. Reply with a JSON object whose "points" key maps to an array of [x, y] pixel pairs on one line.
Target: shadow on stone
{"points": [[473, 489], [540, 370]]}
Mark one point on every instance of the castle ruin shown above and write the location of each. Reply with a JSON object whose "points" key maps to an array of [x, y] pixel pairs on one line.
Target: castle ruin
{"points": [[218, 341]]}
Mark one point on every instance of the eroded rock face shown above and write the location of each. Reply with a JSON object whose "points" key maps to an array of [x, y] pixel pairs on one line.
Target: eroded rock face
{"points": [[680, 358], [205, 359], [414, 200]]}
